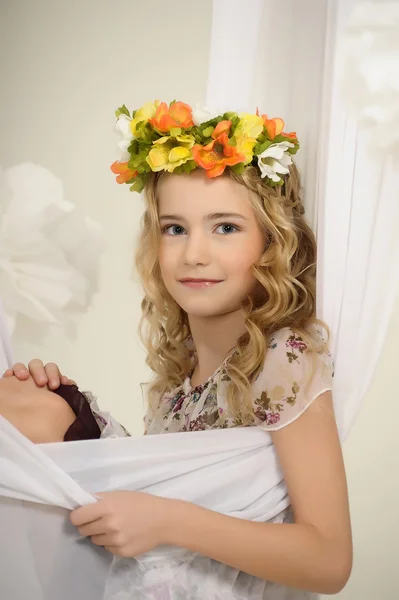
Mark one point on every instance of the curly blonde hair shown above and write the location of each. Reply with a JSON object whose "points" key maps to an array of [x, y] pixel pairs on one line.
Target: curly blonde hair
{"points": [[286, 274]]}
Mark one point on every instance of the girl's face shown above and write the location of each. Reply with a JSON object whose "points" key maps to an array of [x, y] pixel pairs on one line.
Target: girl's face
{"points": [[210, 238]]}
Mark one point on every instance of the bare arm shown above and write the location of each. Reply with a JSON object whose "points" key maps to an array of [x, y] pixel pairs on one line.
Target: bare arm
{"points": [[314, 553], [37, 413]]}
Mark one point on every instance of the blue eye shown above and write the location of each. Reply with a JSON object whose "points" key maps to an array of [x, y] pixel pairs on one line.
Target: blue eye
{"points": [[227, 228], [173, 230]]}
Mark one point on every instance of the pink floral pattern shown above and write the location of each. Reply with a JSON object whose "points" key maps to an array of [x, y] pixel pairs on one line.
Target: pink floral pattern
{"points": [[290, 380]]}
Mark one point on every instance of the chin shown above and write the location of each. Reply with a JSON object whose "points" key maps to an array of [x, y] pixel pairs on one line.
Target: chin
{"points": [[209, 308]]}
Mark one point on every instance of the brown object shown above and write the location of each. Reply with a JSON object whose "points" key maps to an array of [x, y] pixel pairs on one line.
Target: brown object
{"points": [[85, 426]]}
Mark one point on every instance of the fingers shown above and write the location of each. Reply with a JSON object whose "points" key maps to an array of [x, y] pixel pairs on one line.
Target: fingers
{"points": [[20, 371], [94, 528], [38, 372], [85, 515], [49, 375], [53, 375]]}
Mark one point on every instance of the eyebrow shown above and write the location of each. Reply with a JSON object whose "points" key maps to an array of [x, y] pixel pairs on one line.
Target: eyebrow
{"points": [[211, 217]]}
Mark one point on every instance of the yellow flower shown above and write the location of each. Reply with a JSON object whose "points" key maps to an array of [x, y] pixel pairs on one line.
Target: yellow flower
{"points": [[145, 113], [170, 152], [250, 126], [245, 146], [246, 133]]}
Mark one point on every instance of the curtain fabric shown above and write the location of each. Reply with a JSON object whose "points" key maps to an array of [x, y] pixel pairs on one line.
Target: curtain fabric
{"points": [[292, 65]]}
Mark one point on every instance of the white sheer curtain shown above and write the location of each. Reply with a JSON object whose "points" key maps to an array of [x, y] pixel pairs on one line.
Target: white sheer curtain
{"points": [[357, 224], [293, 51], [6, 357]]}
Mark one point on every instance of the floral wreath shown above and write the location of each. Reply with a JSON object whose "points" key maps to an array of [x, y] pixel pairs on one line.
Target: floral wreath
{"points": [[179, 139]]}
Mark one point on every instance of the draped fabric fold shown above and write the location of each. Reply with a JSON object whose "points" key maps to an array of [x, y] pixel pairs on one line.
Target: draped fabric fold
{"points": [[233, 471], [357, 222]]}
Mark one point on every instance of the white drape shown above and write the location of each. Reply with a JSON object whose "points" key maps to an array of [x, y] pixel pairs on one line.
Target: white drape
{"points": [[295, 53], [42, 557], [358, 219]]}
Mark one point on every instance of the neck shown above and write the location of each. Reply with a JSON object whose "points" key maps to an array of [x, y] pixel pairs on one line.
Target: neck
{"points": [[214, 337]]}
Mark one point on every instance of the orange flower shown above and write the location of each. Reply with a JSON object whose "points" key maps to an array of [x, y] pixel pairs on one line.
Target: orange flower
{"points": [[123, 172], [176, 115], [217, 155], [222, 127], [292, 135], [275, 127]]}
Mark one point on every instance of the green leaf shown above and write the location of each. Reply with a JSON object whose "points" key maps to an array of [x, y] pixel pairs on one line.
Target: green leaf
{"points": [[261, 147], [137, 186], [238, 169], [208, 132], [122, 110], [135, 161], [234, 122], [294, 150], [189, 166], [211, 123]]}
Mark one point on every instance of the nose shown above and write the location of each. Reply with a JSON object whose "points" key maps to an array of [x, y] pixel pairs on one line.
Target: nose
{"points": [[196, 249]]}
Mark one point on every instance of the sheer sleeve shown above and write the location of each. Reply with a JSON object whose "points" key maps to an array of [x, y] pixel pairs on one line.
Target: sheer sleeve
{"points": [[90, 423], [109, 426], [291, 379]]}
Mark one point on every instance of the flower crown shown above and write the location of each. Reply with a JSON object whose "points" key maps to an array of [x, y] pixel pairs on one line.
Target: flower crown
{"points": [[179, 139]]}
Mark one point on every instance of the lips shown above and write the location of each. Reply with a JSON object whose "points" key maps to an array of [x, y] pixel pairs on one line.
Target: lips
{"points": [[189, 280], [200, 283]]}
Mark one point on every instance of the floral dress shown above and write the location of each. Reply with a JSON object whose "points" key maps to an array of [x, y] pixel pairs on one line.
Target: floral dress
{"points": [[291, 379]]}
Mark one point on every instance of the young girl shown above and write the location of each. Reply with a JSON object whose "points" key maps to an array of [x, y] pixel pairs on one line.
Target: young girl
{"points": [[227, 262]]}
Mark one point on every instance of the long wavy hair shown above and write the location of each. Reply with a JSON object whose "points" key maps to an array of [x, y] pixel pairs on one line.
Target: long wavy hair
{"points": [[286, 276]]}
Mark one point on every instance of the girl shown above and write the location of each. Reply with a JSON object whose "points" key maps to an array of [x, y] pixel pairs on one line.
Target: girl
{"points": [[227, 262]]}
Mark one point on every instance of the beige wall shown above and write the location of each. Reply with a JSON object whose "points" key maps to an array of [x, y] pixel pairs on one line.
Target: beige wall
{"points": [[69, 65], [372, 462]]}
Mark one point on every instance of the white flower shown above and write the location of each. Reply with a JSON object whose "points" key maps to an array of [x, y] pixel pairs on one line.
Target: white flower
{"points": [[275, 160], [201, 115], [49, 253], [123, 126]]}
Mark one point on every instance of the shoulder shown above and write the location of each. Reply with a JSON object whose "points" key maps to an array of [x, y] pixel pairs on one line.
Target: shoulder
{"points": [[295, 372]]}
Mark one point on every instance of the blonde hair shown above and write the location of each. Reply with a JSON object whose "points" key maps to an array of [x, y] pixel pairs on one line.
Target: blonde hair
{"points": [[287, 278]]}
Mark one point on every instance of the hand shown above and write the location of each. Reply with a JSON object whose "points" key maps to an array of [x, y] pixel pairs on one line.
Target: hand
{"points": [[49, 375], [127, 523], [38, 413]]}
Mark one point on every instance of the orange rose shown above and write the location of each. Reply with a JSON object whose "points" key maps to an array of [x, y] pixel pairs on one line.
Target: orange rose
{"points": [[177, 115]]}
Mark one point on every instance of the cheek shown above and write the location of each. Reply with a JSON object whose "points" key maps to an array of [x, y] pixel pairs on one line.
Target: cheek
{"points": [[240, 263], [167, 261]]}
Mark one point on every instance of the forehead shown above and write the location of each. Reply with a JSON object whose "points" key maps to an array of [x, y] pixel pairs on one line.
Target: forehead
{"points": [[196, 194]]}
